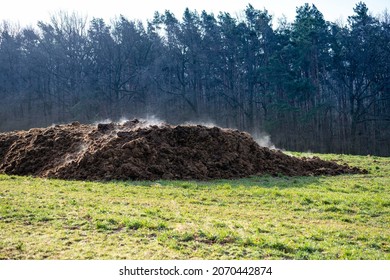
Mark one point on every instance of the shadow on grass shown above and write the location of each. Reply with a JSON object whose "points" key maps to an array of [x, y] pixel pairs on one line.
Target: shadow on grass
{"points": [[267, 181]]}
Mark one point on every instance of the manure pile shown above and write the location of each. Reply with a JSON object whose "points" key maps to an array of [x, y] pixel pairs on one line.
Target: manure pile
{"points": [[138, 151]]}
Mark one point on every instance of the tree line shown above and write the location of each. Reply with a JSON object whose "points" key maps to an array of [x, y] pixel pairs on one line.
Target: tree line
{"points": [[310, 84]]}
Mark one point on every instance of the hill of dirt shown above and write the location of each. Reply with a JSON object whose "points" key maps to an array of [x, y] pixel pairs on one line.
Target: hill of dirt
{"points": [[138, 151]]}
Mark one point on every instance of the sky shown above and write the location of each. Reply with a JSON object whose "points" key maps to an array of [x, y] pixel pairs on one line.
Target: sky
{"points": [[29, 12]]}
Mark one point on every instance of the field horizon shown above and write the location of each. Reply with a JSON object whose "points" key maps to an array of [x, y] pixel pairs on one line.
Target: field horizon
{"points": [[260, 217]]}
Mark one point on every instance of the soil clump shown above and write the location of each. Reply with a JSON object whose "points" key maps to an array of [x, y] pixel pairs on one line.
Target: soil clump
{"points": [[136, 150]]}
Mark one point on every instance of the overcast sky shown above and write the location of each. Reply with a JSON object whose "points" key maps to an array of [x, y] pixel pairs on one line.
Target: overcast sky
{"points": [[28, 12]]}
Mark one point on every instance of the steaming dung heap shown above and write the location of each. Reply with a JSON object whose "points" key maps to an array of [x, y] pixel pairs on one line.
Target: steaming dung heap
{"points": [[135, 150]]}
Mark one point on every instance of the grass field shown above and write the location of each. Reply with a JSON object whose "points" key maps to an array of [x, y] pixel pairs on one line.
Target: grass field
{"points": [[342, 217]]}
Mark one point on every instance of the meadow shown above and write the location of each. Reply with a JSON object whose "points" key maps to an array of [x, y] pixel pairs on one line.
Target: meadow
{"points": [[261, 217]]}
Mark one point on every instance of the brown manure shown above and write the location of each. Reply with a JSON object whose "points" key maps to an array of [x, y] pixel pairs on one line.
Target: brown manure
{"points": [[138, 151]]}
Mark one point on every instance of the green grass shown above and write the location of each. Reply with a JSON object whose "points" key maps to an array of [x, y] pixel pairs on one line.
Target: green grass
{"points": [[343, 217]]}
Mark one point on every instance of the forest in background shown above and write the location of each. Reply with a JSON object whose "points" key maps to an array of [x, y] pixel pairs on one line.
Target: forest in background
{"points": [[310, 84]]}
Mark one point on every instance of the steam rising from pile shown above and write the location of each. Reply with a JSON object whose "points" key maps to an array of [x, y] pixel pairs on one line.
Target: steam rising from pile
{"points": [[148, 150]]}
